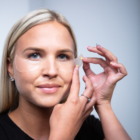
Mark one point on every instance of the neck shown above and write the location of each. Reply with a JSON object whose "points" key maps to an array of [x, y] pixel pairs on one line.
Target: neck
{"points": [[33, 120]]}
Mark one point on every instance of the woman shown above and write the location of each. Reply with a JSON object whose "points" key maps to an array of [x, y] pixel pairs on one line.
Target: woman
{"points": [[39, 93]]}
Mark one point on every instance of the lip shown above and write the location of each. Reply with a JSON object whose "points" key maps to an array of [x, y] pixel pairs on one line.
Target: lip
{"points": [[49, 88]]}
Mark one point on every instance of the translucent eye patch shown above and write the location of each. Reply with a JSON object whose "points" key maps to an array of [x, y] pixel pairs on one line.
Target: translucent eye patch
{"points": [[27, 65], [78, 61]]}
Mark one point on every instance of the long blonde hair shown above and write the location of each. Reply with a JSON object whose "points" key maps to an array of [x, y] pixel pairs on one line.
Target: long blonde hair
{"points": [[9, 96]]}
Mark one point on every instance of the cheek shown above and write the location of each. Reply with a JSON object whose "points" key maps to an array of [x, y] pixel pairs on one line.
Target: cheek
{"points": [[66, 75], [25, 81]]}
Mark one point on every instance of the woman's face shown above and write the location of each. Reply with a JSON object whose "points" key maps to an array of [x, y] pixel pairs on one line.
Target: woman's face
{"points": [[42, 64]]}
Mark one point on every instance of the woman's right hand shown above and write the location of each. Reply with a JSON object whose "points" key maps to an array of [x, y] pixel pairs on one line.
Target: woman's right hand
{"points": [[67, 118]]}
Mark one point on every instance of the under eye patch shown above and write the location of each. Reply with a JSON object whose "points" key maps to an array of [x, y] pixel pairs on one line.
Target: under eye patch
{"points": [[27, 65], [78, 61]]}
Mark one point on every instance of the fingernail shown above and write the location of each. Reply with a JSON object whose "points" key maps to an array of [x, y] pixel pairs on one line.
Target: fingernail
{"points": [[84, 58], [77, 67], [89, 47], [112, 63], [97, 44]]}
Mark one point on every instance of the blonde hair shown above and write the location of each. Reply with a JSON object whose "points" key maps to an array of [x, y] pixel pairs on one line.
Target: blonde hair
{"points": [[9, 96]]}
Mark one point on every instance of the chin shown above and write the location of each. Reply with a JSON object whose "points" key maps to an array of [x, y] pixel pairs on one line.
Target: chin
{"points": [[39, 99], [46, 103]]}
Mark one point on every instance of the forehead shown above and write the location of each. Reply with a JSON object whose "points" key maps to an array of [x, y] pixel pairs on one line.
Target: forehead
{"points": [[49, 35]]}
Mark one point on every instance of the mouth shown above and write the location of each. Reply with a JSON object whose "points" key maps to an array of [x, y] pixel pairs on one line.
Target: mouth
{"points": [[49, 88]]}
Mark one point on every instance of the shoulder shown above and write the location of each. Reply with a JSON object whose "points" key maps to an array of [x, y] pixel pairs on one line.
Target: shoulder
{"points": [[91, 119], [10, 131], [91, 129], [94, 124], [3, 134], [3, 119]]}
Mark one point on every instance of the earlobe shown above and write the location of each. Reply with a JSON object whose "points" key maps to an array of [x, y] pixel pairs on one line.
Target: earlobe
{"points": [[10, 69]]}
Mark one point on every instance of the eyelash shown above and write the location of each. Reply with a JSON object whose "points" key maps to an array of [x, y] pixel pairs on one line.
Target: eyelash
{"points": [[67, 57], [30, 55]]}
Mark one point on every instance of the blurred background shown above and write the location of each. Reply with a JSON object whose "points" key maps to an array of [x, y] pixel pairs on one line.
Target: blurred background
{"points": [[115, 24]]}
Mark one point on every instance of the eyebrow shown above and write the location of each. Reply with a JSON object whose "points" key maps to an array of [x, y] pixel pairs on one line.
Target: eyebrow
{"points": [[41, 50]]}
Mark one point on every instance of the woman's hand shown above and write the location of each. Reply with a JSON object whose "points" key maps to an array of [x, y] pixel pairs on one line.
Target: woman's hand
{"points": [[103, 83], [67, 118]]}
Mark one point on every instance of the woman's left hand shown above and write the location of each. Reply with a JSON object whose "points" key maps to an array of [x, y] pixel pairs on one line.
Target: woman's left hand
{"points": [[103, 83]]}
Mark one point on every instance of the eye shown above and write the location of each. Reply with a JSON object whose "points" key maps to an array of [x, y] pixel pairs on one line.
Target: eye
{"points": [[34, 56], [63, 57]]}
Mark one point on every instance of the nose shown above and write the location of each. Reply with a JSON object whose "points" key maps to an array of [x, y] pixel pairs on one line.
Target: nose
{"points": [[50, 68]]}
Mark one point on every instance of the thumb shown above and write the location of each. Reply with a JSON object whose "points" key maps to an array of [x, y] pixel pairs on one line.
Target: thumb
{"points": [[87, 70], [75, 87]]}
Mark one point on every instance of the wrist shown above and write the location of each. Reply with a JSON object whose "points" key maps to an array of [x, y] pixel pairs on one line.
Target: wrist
{"points": [[103, 108], [57, 135]]}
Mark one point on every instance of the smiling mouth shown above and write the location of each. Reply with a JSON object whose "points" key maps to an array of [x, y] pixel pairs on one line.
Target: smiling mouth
{"points": [[49, 89]]}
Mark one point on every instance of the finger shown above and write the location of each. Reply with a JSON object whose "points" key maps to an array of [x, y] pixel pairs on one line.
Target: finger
{"points": [[107, 54], [75, 87], [88, 90], [122, 70], [88, 112], [87, 70], [95, 50], [91, 103], [94, 60], [108, 61]]}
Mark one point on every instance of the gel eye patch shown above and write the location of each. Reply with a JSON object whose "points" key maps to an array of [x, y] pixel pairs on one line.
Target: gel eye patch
{"points": [[26, 65], [78, 61]]}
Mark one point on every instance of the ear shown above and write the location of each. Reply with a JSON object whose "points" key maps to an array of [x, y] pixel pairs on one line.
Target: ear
{"points": [[10, 67]]}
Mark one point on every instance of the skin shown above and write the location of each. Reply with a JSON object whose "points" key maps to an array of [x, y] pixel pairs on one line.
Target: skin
{"points": [[43, 118]]}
